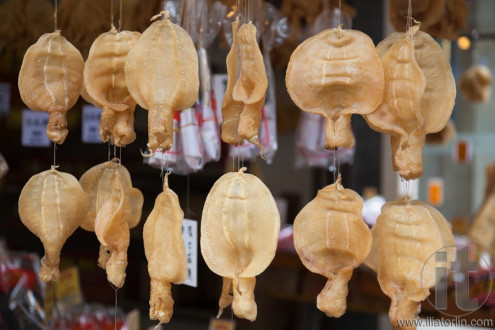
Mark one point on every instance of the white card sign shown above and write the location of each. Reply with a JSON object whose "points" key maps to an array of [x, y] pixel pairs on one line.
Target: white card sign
{"points": [[4, 98], [90, 124], [190, 236], [34, 129]]}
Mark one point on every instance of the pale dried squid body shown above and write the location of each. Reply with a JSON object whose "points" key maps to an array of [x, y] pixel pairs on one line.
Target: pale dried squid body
{"points": [[231, 109], [52, 205], [112, 231], [105, 82], [331, 239], [51, 79], [164, 249], [251, 85], [408, 235], [162, 75], [96, 182], [239, 232], [343, 77]]}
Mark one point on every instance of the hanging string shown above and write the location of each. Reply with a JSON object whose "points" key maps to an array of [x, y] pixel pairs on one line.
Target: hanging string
{"points": [[54, 154], [111, 12], [109, 151], [120, 154], [340, 13], [55, 14], [333, 166], [338, 160], [120, 16], [409, 17]]}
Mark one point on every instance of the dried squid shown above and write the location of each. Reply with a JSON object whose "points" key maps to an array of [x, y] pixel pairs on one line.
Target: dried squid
{"points": [[335, 74], [231, 109], [332, 239], [104, 81], [164, 249], [251, 85], [162, 75], [106, 184], [406, 239], [239, 232], [51, 79], [476, 84], [52, 205], [416, 102]]}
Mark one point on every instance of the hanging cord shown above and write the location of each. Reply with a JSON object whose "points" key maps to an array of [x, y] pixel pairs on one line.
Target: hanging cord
{"points": [[109, 151], [475, 53], [55, 14], [111, 13], [333, 166], [54, 154], [340, 13], [120, 17]]}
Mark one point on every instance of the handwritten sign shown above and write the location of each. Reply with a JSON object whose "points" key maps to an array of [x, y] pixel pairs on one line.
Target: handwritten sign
{"points": [[190, 236], [90, 124], [34, 129]]}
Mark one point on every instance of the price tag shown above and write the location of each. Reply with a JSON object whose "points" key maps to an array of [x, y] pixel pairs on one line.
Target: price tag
{"points": [[435, 191], [221, 325], [34, 129], [90, 124], [219, 87], [190, 236], [4, 98], [462, 151]]}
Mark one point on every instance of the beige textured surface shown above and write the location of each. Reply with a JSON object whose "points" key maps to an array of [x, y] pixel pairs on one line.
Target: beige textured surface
{"points": [[399, 115], [164, 249], [51, 79], [52, 205], [408, 234], [476, 84], [112, 230], [239, 233], [162, 75], [250, 88], [482, 230], [96, 182], [104, 81], [335, 74], [332, 239], [231, 110]]}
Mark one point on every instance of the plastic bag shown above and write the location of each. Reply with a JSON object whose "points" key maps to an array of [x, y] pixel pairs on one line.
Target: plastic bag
{"points": [[310, 145], [192, 147]]}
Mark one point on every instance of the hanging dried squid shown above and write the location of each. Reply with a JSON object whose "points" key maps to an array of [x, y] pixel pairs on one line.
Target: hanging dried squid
{"points": [[164, 248], [335, 74], [239, 234], [332, 239], [52, 205], [104, 82], [51, 79], [162, 75], [419, 96]]}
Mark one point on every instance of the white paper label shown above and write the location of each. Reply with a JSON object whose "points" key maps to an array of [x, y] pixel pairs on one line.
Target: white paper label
{"points": [[190, 236], [34, 129], [4, 98], [90, 124]]}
